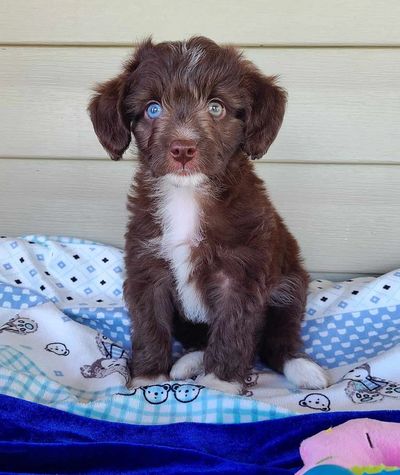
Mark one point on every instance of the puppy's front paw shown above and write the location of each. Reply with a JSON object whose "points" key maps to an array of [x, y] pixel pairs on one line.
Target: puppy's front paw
{"points": [[306, 374], [147, 380], [188, 366], [211, 381]]}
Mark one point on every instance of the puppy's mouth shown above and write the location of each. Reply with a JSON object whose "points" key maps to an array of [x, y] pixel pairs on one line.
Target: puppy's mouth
{"points": [[184, 172], [183, 169], [193, 179]]}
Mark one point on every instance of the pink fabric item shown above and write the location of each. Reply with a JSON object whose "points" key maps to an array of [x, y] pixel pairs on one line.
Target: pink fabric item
{"points": [[356, 442]]}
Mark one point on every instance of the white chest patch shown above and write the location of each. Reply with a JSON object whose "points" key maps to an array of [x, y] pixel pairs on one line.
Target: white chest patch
{"points": [[179, 213]]}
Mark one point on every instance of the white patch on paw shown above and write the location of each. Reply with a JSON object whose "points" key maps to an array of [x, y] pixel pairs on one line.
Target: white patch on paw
{"points": [[189, 366], [306, 374], [147, 381], [211, 381]]}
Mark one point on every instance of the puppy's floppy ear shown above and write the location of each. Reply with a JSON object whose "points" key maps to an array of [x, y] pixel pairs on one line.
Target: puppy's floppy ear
{"points": [[105, 112], [107, 109], [264, 114]]}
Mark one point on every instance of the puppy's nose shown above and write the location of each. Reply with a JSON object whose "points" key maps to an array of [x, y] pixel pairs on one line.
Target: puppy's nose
{"points": [[183, 150]]}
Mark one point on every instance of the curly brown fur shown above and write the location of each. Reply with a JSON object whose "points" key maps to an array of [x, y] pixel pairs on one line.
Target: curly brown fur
{"points": [[202, 226]]}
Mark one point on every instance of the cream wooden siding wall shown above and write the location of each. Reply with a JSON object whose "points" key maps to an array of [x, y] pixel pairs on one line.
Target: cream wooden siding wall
{"points": [[333, 172]]}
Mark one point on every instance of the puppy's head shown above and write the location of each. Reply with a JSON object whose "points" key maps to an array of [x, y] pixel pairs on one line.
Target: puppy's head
{"points": [[191, 107]]}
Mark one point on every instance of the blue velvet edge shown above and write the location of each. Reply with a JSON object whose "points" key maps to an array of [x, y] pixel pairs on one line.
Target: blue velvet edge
{"points": [[39, 439]]}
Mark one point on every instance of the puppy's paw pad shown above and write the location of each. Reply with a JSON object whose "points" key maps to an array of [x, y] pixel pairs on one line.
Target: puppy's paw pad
{"points": [[189, 366], [306, 374], [147, 381], [211, 381]]}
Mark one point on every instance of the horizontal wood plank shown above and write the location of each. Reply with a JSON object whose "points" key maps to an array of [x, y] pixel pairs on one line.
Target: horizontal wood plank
{"points": [[343, 104], [254, 22], [346, 217]]}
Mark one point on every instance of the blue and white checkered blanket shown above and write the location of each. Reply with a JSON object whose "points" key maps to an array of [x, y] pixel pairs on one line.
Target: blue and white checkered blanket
{"points": [[65, 341]]}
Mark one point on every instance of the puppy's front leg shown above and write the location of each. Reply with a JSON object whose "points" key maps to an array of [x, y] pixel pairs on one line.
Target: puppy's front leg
{"points": [[150, 304], [235, 320]]}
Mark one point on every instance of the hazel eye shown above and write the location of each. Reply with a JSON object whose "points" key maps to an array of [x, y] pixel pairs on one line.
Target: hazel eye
{"points": [[216, 109], [153, 110]]}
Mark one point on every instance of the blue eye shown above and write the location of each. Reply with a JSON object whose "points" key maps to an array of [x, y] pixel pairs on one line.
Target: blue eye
{"points": [[153, 110]]}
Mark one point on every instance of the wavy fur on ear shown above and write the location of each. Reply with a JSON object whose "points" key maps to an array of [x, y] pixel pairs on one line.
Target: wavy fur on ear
{"points": [[106, 108], [265, 113], [108, 124]]}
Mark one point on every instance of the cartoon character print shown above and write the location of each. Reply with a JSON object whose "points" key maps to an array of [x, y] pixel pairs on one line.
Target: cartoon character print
{"points": [[316, 401], [19, 325], [157, 393], [132, 393], [363, 387], [186, 392], [104, 367], [57, 348], [110, 349], [250, 382], [114, 360]]}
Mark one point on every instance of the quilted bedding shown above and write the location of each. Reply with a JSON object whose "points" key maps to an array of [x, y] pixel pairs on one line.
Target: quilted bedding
{"points": [[65, 342]]}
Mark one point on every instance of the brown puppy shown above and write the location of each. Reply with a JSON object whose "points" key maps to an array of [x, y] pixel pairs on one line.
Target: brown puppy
{"points": [[208, 258]]}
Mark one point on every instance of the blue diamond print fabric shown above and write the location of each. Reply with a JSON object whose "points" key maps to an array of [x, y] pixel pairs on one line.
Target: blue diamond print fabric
{"points": [[82, 278], [345, 322], [350, 321]]}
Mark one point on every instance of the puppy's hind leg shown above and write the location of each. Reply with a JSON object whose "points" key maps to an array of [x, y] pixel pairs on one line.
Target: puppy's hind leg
{"points": [[236, 318], [281, 344]]}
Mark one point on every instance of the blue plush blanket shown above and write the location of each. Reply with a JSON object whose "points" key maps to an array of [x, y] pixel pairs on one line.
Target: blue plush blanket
{"points": [[39, 439]]}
